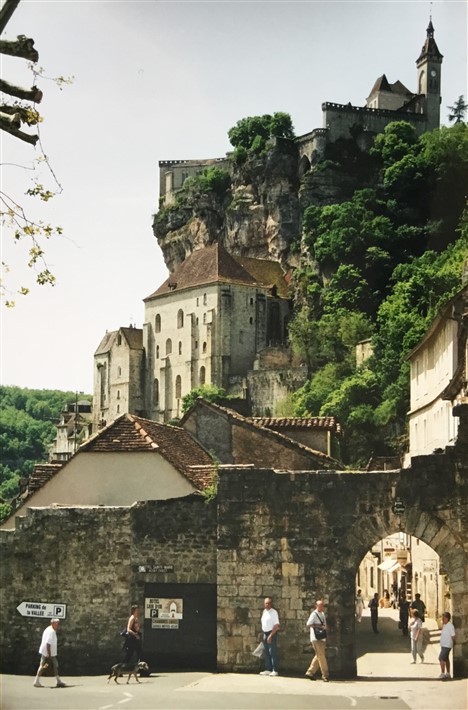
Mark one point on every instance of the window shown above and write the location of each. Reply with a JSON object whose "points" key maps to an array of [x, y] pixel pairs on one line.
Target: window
{"points": [[168, 346], [202, 375], [180, 318], [251, 320], [204, 347], [157, 350], [204, 318], [118, 394], [204, 299], [251, 301], [157, 324], [178, 387], [198, 301], [156, 392], [196, 345], [180, 347], [119, 339], [119, 372], [118, 409]]}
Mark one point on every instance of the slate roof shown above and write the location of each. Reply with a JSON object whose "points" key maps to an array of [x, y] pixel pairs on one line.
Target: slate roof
{"points": [[327, 423], [130, 433], [213, 264], [430, 47], [133, 337], [382, 84]]}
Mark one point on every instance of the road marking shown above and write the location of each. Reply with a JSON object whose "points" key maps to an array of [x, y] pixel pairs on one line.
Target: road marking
{"points": [[125, 700], [353, 701]]}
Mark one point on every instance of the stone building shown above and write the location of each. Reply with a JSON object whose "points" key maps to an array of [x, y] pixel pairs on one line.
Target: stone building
{"points": [[439, 376], [204, 325], [387, 102], [74, 426]]}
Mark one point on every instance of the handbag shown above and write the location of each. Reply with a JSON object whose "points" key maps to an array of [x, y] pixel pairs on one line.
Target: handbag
{"points": [[259, 651], [320, 634]]}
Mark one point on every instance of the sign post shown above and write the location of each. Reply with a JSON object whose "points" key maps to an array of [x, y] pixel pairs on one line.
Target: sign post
{"points": [[45, 611]]}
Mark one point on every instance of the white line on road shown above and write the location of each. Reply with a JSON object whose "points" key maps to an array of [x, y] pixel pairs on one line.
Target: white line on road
{"points": [[353, 701], [125, 700]]}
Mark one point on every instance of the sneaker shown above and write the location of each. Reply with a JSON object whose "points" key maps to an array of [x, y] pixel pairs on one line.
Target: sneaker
{"points": [[412, 662], [36, 684], [309, 674], [442, 676], [325, 680], [447, 676], [264, 673], [274, 673], [61, 684]]}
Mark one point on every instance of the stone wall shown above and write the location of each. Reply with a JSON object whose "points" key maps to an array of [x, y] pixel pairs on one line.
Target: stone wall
{"points": [[268, 387], [88, 559]]}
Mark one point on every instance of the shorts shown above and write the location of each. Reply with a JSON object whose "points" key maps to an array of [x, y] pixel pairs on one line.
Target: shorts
{"points": [[444, 653]]}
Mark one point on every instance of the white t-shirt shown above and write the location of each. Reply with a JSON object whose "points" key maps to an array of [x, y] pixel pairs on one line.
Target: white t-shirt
{"points": [[269, 619], [415, 626], [317, 617], [446, 633], [48, 637]]}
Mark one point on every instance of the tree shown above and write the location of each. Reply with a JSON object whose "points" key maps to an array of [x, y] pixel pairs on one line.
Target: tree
{"points": [[12, 117], [458, 110], [251, 134], [212, 393]]}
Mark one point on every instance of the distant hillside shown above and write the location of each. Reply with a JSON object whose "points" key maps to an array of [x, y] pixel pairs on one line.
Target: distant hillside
{"points": [[27, 427]]}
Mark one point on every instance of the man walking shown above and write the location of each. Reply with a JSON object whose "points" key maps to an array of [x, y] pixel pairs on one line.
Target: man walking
{"points": [[317, 623], [374, 612], [447, 642], [270, 626], [48, 651]]}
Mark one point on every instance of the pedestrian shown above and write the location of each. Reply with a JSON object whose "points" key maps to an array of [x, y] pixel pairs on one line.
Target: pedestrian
{"points": [[132, 644], [270, 625], [317, 623], [403, 606], [374, 612], [359, 605], [419, 605], [416, 636], [447, 642], [48, 651]]}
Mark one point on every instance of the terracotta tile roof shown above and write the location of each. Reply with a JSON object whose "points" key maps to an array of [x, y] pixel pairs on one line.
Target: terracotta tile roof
{"points": [[328, 423], [213, 264], [133, 337], [41, 473], [135, 434]]}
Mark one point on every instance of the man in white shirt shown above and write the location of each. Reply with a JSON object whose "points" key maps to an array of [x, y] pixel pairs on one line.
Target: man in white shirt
{"points": [[447, 642], [317, 623], [270, 626], [48, 651]]}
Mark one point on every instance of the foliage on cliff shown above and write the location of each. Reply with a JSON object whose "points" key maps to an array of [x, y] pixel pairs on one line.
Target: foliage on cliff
{"points": [[380, 264], [27, 428], [250, 135]]}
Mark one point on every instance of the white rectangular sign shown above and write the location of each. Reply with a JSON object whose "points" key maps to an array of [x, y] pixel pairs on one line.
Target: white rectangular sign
{"points": [[46, 611]]}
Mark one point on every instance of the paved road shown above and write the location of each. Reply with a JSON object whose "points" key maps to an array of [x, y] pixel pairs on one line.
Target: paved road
{"points": [[386, 681]]}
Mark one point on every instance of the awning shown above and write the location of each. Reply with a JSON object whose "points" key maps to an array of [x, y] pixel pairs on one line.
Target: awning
{"points": [[387, 563]]}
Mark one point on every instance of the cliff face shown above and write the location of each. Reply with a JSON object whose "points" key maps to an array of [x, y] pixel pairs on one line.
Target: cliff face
{"points": [[260, 213]]}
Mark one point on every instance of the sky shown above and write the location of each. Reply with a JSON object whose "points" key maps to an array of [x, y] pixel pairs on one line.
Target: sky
{"points": [[156, 80]]}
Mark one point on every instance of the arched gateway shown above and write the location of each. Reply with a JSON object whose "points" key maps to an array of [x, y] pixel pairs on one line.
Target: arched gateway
{"points": [[294, 536]]}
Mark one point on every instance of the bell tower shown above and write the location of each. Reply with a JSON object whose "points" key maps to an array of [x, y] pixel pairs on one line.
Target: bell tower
{"points": [[429, 65]]}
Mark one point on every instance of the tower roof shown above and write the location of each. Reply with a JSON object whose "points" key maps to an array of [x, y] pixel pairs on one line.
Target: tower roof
{"points": [[429, 48]]}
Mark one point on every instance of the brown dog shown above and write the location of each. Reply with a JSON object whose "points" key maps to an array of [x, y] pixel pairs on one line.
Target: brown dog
{"points": [[132, 669]]}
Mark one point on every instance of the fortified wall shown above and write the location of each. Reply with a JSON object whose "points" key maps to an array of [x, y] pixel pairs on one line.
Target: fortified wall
{"points": [[295, 536]]}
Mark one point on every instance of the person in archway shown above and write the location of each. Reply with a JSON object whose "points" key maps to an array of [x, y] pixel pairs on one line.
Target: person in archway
{"points": [[374, 612], [416, 636], [403, 606], [359, 605], [447, 642], [419, 605]]}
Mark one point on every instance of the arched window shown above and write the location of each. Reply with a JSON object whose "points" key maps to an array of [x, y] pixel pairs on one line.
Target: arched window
{"points": [[178, 387], [202, 375], [118, 409], [157, 323], [118, 394], [204, 347], [168, 346], [119, 339], [156, 392], [119, 372], [157, 350], [205, 300], [180, 318], [180, 347]]}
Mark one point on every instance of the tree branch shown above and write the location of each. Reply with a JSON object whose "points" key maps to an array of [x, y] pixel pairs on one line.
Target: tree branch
{"points": [[21, 47], [6, 12], [33, 94], [13, 120], [26, 137]]}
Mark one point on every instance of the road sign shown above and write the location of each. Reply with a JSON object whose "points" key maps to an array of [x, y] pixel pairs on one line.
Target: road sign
{"points": [[46, 611], [398, 507]]}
